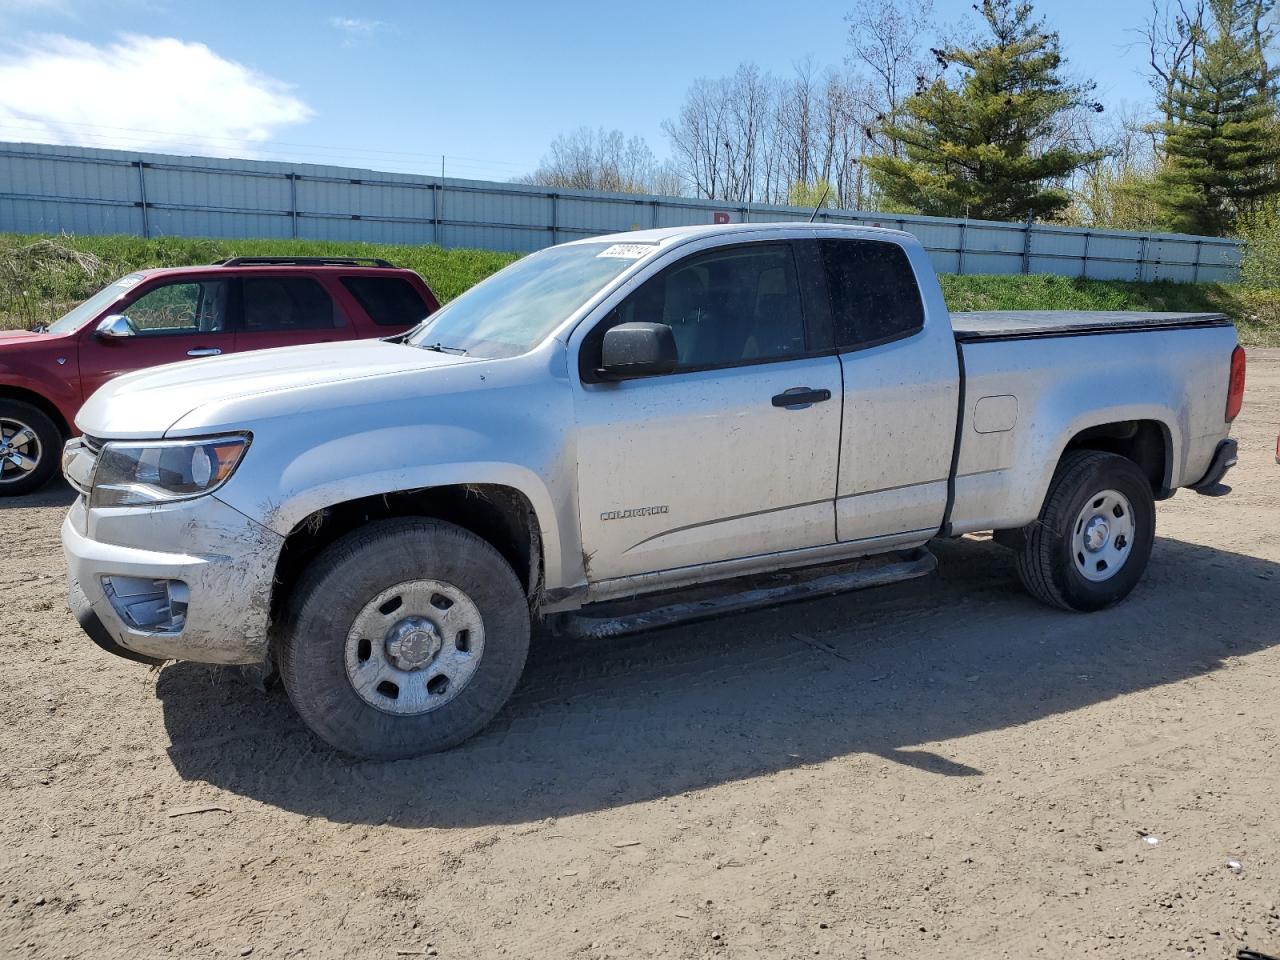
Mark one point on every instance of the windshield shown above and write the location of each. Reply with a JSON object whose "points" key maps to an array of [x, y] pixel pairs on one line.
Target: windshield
{"points": [[90, 308], [515, 309]]}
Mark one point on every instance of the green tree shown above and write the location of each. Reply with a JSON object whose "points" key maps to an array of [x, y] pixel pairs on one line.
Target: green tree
{"points": [[1219, 133], [802, 194], [1115, 196], [989, 146]]}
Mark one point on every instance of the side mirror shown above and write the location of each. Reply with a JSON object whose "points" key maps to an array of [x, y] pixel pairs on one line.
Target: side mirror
{"points": [[638, 350], [115, 326]]}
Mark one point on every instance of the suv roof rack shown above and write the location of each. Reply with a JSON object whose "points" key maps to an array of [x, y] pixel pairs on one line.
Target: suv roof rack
{"points": [[306, 262]]}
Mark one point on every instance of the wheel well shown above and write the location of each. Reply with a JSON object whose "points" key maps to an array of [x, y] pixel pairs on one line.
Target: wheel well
{"points": [[1145, 442], [500, 515], [39, 402]]}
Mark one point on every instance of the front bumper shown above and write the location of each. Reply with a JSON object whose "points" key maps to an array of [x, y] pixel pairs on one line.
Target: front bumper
{"points": [[224, 560]]}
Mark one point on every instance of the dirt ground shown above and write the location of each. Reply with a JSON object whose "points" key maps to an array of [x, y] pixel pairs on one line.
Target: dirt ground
{"points": [[937, 769]]}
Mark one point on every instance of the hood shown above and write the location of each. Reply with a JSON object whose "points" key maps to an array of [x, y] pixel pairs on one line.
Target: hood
{"points": [[15, 337], [147, 403]]}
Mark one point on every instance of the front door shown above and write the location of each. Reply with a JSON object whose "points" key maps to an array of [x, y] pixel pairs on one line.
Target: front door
{"points": [[725, 458], [168, 322]]}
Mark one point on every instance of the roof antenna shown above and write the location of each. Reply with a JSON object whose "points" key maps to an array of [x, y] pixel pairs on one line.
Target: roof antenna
{"points": [[821, 200]]}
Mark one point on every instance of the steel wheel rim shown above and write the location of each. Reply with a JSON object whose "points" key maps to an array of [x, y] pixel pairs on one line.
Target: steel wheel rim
{"points": [[20, 450], [1102, 537], [414, 647]]}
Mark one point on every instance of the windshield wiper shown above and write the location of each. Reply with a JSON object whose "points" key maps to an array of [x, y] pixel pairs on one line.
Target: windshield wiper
{"points": [[441, 348], [40, 328]]}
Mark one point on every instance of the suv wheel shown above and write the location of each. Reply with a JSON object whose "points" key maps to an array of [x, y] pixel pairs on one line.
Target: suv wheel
{"points": [[30, 446], [404, 637], [1093, 539]]}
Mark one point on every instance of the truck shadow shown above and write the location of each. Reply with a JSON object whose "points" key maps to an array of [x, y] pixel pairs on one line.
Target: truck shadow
{"points": [[595, 726]]}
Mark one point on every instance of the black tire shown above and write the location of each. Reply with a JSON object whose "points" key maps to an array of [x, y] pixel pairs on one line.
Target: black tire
{"points": [[343, 580], [1045, 563], [48, 441]]}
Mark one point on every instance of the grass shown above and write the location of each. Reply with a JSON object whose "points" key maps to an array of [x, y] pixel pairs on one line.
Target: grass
{"points": [[42, 277]]}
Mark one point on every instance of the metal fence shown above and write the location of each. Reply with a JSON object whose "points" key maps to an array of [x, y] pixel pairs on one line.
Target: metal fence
{"points": [[50, 189]]}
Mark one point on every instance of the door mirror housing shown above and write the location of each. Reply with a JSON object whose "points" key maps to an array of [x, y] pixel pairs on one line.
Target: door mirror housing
{"points": [[114, 327], [638, 350]]}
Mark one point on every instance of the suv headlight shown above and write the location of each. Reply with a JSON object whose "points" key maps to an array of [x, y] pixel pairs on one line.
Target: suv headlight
{"points": [[129, 473]]}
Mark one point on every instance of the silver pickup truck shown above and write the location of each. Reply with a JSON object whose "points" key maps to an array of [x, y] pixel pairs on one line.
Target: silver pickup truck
{"points": [[617, 433]]}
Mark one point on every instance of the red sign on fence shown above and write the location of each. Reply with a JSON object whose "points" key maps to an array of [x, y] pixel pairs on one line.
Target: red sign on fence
{"points": [[720, 216]]}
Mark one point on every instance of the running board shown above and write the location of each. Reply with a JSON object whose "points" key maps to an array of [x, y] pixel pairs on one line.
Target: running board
{"points": [[616, 618]]}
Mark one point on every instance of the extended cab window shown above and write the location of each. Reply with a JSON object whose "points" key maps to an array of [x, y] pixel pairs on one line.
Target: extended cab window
{"points": [[287, 303], [724, 307], [389, 301], [874, 295], [177, 308]]}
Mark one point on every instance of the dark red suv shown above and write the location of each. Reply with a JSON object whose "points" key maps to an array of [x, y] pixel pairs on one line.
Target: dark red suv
{"points": [[166, 315]]}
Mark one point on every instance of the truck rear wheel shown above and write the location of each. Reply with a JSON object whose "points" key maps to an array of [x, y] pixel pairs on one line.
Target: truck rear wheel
{"points": [[403, 638], [1091, 543], [30, 448]]}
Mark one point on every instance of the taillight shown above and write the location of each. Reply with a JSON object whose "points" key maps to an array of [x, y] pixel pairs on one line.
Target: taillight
{"points": [[1235, 388]]}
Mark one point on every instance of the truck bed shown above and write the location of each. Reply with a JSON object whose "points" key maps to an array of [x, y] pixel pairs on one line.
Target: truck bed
{"points": [[1035, 324]]}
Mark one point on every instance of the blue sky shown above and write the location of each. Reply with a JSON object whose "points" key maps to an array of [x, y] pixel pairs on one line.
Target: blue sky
{"points": [[394, 85]]}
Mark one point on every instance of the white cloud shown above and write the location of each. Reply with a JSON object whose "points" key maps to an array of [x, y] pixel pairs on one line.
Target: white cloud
{"points": [[355, 29], [143, 93]]}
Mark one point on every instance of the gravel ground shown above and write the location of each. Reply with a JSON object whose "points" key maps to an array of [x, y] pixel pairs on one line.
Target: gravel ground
{"points": [[937, 769]]}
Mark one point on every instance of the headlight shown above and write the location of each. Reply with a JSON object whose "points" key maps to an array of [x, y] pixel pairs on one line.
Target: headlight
{"points": [[132, 474]]}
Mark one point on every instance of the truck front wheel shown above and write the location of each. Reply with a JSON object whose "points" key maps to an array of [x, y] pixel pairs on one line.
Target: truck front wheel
{"points": [[404, 637], [1092, 541]]}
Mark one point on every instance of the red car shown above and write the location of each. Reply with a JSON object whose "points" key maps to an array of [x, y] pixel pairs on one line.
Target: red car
{"points": [[164, 315]]}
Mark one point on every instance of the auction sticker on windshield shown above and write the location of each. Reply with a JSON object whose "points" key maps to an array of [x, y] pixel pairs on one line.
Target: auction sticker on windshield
{"points": [[627, 251]]}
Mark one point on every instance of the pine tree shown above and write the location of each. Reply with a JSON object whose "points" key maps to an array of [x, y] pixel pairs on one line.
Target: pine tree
{"points": [[985, 147], [1221, 143]]}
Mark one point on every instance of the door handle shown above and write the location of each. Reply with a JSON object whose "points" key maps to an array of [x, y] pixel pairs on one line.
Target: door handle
{"points": [[203, 352], [800, 397]]}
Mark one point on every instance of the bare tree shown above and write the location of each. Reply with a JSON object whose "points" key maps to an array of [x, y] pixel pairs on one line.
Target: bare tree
{"points": [[697, 135], [751, 138], [795, 118], [890, 40], [1173, 35], [667, 181], [601, 159], [719, 137]]}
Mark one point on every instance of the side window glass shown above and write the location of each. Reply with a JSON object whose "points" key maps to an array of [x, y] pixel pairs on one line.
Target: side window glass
{"points": [[181, 308], [287, 303], [726, 307], [874, 294], [389, 301]]}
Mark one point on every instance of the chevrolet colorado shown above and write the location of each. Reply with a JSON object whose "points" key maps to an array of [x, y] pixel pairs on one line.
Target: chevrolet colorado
{"points": [[603, 425]]}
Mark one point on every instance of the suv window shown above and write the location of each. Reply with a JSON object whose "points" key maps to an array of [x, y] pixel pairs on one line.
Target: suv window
{"points": [[874, 294], [725, 307], [178, 308], [389, 301], [287, 303]]}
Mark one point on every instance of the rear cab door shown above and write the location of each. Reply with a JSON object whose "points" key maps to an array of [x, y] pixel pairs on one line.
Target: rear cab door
{"points": [[902, 385], [173, 318]]}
